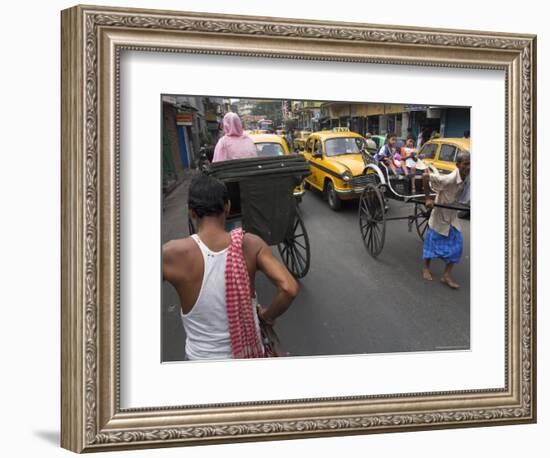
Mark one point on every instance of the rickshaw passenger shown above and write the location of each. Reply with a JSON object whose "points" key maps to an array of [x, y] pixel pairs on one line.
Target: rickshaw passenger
{"points": [[409, 161], [399, 163], [409, 155], [387, 153], [235, 143]]}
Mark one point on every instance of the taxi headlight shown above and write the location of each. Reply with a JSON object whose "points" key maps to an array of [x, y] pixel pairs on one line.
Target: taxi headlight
{"points": [[346, 176]]}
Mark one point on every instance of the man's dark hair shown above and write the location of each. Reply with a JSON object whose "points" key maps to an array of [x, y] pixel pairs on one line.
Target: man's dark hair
{"points": [[207, 196], [390, 135], [466, 134]]}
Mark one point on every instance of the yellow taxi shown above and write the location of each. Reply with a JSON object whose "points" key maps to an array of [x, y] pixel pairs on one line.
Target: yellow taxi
{"points": [[299, 142], [441, 152], [336, 163], [269, 145]]}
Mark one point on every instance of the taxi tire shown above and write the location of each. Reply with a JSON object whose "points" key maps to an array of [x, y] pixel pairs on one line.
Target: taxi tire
{"points": [[332, 198]]}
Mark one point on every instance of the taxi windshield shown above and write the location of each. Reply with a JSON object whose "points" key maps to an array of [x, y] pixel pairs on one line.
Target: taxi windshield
{"points": [[269, 149], [344, 145]]}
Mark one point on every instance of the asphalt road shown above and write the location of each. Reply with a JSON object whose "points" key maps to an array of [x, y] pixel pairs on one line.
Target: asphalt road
{"points": [[350, 303]]}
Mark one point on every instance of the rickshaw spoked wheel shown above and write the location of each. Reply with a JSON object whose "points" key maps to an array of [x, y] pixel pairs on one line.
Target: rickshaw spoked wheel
{"points": [[421, 217], [295, 251], [372, 219]]}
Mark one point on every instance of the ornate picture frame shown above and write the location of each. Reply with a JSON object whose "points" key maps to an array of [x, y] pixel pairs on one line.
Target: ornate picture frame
{"points": [[92, 40]]}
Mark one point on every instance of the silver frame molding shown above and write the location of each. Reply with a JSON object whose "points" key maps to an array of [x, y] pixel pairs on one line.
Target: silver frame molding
{"points": [[92, 41]]}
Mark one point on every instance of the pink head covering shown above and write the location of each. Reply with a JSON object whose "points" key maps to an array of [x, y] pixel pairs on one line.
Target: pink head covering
{"points": [[232, 125]]}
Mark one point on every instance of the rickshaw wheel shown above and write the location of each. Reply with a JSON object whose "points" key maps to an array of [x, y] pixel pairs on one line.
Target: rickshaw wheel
{"points": [[295, 251], [421, 217], [191, 226], [372, 219]]}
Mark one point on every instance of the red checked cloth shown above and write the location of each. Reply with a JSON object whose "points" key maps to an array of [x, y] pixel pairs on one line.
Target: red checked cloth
{"points": [[245, 342]]}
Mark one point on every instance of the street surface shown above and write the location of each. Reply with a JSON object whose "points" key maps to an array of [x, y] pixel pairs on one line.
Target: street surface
{"points": [[349, 303]]}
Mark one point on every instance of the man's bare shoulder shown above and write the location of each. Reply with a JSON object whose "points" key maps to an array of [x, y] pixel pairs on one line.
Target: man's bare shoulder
{"points": [[178, 248], [253, 241]]}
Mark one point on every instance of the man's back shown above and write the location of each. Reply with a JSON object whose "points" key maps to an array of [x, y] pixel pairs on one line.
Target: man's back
{"points": [[199, 278], [231, 147], [447, 188], [186, 264], [206, 324]]}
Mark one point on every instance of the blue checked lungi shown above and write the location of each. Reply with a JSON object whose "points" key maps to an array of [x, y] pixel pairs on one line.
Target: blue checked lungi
{"points": [[447, 248]]}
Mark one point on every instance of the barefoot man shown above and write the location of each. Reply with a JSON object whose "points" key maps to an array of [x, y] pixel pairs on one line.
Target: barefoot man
{"points": [[443, 238]]}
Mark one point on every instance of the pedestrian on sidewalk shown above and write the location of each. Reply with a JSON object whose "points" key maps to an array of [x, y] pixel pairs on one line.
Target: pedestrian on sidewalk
{"points": [[443, 237], [213, 272], [235, 143]]}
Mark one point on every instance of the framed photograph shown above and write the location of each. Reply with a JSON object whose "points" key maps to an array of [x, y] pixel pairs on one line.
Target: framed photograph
{"points": [[283, 228]]}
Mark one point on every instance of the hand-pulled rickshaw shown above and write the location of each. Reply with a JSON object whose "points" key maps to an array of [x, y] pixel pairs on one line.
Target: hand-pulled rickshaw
{"points": [[383, 183], [261, 194]]}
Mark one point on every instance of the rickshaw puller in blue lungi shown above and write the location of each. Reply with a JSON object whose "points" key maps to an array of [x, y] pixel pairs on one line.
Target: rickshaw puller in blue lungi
{"points": [[443, 238]]}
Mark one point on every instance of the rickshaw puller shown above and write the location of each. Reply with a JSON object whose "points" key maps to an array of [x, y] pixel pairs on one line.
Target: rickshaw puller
{"points": [[443, 237], [213, 272]]}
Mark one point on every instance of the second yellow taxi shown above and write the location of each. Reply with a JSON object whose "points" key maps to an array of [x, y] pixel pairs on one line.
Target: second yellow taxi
{"points": [[442, 152], [336, 162]]}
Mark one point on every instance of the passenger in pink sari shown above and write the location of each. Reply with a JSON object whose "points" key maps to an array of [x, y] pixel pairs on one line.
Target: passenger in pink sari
{"points": [[235, 144]]}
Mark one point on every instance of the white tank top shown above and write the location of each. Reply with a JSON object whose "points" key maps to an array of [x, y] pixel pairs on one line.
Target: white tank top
{"points": [[206, 325]]}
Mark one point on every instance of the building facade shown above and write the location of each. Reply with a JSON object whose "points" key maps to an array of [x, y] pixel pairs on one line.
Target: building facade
{"points": [[188, 122], [403, 120]]}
